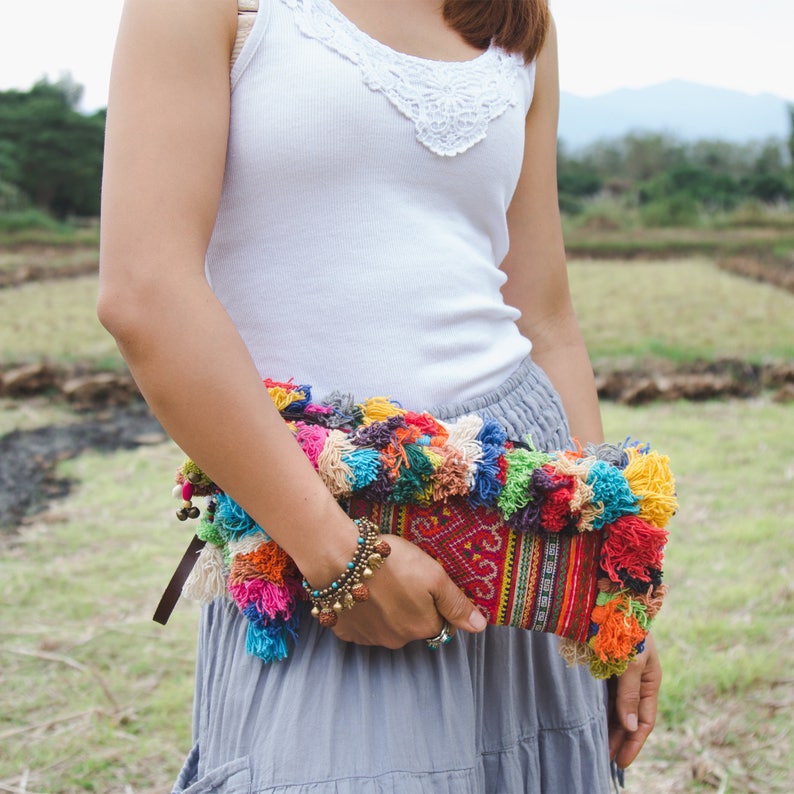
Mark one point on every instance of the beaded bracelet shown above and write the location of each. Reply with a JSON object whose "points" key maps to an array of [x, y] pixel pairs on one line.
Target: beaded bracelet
{"points": [[348, 589]]}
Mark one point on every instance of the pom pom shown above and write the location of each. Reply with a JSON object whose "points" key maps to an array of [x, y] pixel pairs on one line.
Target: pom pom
{"points": [[574, 652], [612, 492], [311, 439], [618, 630], [412, 476], [364, 465], [376, 434], [207, 580], [492, 433], [288, 396], [267, 639], [451, 476], [268, 598], [209, 532], [649, 477], [463, 435], [377, 409], [246, 544], [553, 493], [335, 473], [520, 465], [632, 548], [427, 426], [231, 520], [268, 562]]}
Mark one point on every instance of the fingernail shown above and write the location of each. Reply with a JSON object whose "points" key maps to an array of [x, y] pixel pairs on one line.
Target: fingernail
{"points": [[477, 620], [631, 722]]}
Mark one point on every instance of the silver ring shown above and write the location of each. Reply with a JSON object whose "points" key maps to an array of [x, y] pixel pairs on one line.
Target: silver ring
{"points": [[442, 638]]}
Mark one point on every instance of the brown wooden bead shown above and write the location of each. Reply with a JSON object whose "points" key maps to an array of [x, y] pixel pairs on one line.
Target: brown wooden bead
{"points": [[382, 548], [327, 619], [360, 592]]}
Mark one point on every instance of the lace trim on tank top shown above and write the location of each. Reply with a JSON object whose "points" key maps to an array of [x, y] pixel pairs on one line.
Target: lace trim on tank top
{"points": [[450, 103]]}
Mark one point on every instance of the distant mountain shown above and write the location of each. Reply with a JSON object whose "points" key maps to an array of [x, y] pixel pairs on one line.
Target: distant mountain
{"points": [[688, 111]]}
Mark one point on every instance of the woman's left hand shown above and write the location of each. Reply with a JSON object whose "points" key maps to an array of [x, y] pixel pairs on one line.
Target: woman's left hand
{"points": [[633, 699]]}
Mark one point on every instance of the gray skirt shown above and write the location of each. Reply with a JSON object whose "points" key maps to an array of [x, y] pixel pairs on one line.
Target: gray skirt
{"points": [[493, 712]]}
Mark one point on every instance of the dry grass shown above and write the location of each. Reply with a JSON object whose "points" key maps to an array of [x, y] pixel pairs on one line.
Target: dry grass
{"points": [[679, 310], [95, 697]]}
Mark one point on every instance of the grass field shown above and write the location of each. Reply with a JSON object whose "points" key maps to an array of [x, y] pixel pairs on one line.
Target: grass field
{"points": [[673, 310], [96, 697]]}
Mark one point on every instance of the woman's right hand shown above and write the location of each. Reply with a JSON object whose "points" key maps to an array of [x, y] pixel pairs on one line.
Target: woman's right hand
{"points": [[410, 598]]}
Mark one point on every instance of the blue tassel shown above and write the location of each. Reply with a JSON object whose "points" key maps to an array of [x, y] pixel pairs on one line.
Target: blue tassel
{"points": [[492, 433], [267, 637], [364, 462], [487, 487], [232, 521], [610, 489]]}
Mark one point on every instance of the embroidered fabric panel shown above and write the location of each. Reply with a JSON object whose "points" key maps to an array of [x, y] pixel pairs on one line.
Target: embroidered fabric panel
{"points": [[540, 582], [451, 103]]}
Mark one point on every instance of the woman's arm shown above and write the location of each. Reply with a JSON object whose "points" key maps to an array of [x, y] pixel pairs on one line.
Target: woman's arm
{"points": [[538, 286], [537, 280], [167, 127]]}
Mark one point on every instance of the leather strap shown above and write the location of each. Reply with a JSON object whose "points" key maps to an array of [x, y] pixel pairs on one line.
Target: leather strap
{"points": [[173, 590]]}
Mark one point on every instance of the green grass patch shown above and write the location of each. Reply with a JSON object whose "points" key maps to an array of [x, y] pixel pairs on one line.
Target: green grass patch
{"points": [[724, 633], [631, 310], [679, 310], [54, 320], [100, 695], [98, 698]]}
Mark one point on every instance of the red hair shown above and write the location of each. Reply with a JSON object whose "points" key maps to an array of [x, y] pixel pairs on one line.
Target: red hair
{"points": [[513, 25]]}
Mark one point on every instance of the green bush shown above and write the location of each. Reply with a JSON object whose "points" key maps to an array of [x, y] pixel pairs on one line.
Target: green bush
{"points": [[31, 220], [676, 210]]}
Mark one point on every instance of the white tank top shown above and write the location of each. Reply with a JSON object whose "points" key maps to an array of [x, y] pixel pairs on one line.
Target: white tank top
{"points": [[362, 219]]}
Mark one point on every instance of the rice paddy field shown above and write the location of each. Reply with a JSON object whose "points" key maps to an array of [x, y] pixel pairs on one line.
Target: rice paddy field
{"points": [[96, 697]]}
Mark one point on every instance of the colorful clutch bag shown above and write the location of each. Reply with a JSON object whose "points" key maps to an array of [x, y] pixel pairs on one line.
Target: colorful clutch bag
{"points": [[569, 542]]}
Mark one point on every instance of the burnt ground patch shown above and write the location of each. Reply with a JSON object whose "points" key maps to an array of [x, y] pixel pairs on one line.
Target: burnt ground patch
{"points": [[28, 458]]}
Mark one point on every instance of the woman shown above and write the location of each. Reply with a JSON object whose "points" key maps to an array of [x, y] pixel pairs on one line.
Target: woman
{"points": [[371, 208]]}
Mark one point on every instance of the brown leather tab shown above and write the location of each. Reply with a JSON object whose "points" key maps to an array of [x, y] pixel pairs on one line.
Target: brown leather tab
{"points": [[174, 589]]}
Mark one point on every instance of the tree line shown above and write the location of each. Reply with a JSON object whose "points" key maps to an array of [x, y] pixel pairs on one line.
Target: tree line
{"points": [[50, 153], [671, 181], [51, 160]]}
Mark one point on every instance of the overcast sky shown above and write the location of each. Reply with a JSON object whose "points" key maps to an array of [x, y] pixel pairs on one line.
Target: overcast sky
{"points": [[747, 45]]}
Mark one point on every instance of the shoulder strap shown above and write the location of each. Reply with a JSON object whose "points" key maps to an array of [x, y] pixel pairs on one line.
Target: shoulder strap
{"points": [[246, 14]]}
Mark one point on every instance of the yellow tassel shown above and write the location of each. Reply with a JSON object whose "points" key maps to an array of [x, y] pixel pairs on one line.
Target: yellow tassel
{"points": [[379, 409], [650, 478], [284, 398]]}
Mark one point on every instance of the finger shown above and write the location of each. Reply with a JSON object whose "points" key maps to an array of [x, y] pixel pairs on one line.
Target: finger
{"points": [[615, 729], [627, 696], [649, 672], [458, 611]]}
